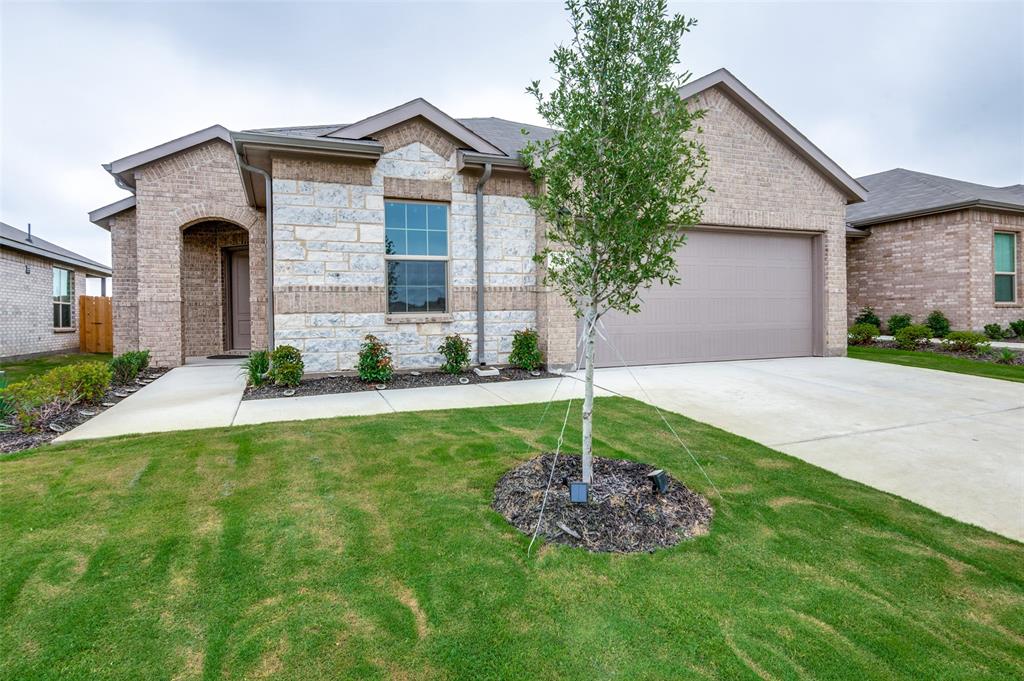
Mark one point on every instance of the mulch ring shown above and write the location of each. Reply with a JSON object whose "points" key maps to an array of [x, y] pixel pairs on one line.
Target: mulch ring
{"points": [[331, 384], [15, 441], [991, 357], [624, 514]]}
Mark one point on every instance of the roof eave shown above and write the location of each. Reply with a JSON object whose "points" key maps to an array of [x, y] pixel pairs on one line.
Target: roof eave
{"points": [[121, 167], [750, 102], [94, 268], [945, 208], [475, 159], [101, 216]]}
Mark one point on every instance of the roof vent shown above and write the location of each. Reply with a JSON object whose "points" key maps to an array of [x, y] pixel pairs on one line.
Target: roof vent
{"points": [[29, 239]]}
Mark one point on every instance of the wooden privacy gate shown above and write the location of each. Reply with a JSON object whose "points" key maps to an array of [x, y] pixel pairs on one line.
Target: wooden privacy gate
{"points": [[95, 324]]}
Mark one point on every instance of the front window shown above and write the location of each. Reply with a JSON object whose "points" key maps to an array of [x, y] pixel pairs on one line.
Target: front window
{"points": [[416, 250], [63, 297], [1006, 267]]}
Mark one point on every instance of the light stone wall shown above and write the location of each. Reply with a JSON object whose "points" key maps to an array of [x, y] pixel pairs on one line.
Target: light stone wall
{"points": [[329, 246]]}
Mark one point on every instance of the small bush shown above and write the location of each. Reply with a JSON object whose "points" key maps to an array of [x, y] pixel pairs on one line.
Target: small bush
{"points": [[863, 334], [867, 316], [374, 361], [286, 366], [938, 323], [455, 350], [910, 337], [898, 322], [525, 351], [966, 341], [6, 408], [86, 381], [256, 368], [1017, 328], [39, 399], [125, 367], [1006, 356], [995, 331]]}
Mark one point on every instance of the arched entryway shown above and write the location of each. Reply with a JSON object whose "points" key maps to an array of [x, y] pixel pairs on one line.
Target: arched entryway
{"points": [[215, 289]]}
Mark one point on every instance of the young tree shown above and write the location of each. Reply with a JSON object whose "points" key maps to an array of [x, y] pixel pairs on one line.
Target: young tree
{"points": [[622, 177]]}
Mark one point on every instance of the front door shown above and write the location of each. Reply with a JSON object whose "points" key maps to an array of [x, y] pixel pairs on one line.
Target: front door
{"points": [[241, 334]]}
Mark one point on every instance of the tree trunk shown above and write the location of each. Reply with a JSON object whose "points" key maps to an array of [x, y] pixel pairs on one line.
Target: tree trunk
{"points": [[588, 398]]}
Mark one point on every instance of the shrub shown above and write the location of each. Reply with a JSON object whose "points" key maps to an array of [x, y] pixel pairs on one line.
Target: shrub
{"points": [[995, 331], [938, 323], [374, 361], [39, 399], [1017, 328], [256, 367], [867, 316], [525, 351], [863, 333], [455, 349], [286, 366], [86, 381], [1006, 356], [909, 337], [6, 408], [966, 341], [125, 367], [898, 322]]}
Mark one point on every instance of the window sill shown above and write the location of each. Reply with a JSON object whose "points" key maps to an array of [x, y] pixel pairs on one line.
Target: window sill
{"points": [[419, 318], [1018, 304], [56, 330]]}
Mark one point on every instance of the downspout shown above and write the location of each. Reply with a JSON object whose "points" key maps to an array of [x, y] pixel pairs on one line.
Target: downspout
{"points": [[269, 245], [480, 264]]}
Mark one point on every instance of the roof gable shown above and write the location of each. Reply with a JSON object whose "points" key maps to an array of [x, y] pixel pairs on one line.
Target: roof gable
{"points": [[16, 239], [771, 120], [121, 167], [416, 108]]}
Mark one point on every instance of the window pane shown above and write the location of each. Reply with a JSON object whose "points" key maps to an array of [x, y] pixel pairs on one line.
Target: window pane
{"points": [[415, 273], [56, 315], [394, 215], [65, 316], [438, 243], [56, 283], [437, 217], [417, 242], [1004, 252], [416, 296], [417, 286], [436, 299], [415, 216], [394, 241], [435, 273], [1004, 288]]}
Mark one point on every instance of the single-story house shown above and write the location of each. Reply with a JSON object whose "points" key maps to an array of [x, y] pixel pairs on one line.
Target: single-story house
{"points": [[411, 224], [922, 242], [40, 284]]}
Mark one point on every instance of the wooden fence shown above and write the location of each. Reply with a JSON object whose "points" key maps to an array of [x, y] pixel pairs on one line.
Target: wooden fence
{"points": [[95, 324]]}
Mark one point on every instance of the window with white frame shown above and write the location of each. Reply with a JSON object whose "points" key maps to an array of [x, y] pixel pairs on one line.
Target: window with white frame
{"points": [[63, 297], [416, 251], [1005, 259]]}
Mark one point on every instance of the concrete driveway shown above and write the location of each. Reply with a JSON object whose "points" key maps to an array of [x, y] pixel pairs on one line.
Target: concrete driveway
{"points": [[951, 442]]}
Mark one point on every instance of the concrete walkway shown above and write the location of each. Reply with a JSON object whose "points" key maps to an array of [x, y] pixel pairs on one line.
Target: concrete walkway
{"points": [[952, 442]]}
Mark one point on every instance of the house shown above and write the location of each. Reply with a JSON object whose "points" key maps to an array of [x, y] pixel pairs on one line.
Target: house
{"points": [[922, 242], [40, 284], [388, 226]]}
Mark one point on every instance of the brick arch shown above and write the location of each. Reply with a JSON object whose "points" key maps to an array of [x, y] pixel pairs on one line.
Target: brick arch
{"points": [[205, 211]]}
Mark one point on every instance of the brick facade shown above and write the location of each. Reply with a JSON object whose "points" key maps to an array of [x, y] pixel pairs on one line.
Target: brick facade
{"points": [[935, 262], [26, 306]]}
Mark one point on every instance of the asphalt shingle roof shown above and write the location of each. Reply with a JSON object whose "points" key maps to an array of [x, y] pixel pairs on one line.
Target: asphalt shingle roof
{"points": [[901, 192], [12, 237]]}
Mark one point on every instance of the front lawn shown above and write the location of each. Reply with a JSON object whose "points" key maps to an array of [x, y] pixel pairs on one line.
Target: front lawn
{"points": [[935, 360], [367, 548], [21, 369]]}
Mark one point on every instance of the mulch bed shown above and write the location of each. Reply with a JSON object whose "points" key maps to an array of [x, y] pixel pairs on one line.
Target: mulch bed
{"points": [[15, 441], [624, 514], [989, 358], [331, 384]]}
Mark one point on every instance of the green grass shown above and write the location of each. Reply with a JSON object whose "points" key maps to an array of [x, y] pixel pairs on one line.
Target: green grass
{"points": [[935, 360], [366, 548], [22, 369]]}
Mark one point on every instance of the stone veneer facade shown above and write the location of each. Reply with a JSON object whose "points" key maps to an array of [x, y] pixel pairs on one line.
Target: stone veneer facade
{"points": [[934, 262], [26, 306]]}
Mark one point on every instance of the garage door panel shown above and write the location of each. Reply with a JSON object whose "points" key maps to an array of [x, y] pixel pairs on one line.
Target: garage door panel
{"points": [[741, 296]]}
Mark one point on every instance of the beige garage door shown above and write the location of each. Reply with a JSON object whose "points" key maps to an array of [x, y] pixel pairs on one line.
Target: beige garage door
{"points": [[743, 295]]}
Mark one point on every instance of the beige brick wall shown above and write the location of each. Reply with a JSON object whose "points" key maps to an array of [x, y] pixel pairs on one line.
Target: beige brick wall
{"points": [[202, 284], [125, 283], [26, 306], [936, 262]]}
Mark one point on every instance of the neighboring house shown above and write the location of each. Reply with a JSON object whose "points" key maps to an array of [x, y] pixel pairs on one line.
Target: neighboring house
{"points": [[922, 242], [40, 283], [375, 228]]}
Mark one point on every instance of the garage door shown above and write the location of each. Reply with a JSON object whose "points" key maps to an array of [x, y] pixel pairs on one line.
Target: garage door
{"points": [[743, 295]]}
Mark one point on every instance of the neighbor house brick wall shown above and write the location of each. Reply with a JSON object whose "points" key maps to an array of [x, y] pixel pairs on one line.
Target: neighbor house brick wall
{"points": [[935, 262], [329, 256], [173, 193], [760, 182], [26, 306]]}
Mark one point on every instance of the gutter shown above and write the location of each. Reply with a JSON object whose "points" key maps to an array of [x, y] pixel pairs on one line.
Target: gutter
{"points": [[947, 208], [480, 263], [269, 247]]}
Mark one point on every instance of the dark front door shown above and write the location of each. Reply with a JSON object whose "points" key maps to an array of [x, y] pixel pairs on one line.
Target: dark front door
{"points": [[241, 334]]}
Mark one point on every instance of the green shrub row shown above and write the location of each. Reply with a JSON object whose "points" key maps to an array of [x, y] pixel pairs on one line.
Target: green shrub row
{"points": [[937, 323], [126, 367], [43, 397]]}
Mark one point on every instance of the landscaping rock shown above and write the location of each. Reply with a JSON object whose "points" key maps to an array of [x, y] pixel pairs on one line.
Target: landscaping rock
{"points": [[624, 514]]}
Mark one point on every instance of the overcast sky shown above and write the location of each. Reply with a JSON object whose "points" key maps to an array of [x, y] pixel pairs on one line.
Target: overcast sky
{"points": [[935, 87]]}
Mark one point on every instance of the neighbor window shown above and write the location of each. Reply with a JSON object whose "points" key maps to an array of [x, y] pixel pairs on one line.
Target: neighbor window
{"points": [[63, 297], [416, 250], [1006, 267]]}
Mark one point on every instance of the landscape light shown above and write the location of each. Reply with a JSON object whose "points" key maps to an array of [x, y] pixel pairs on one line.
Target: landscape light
{"points": [[659, 481], [579, 492]]}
